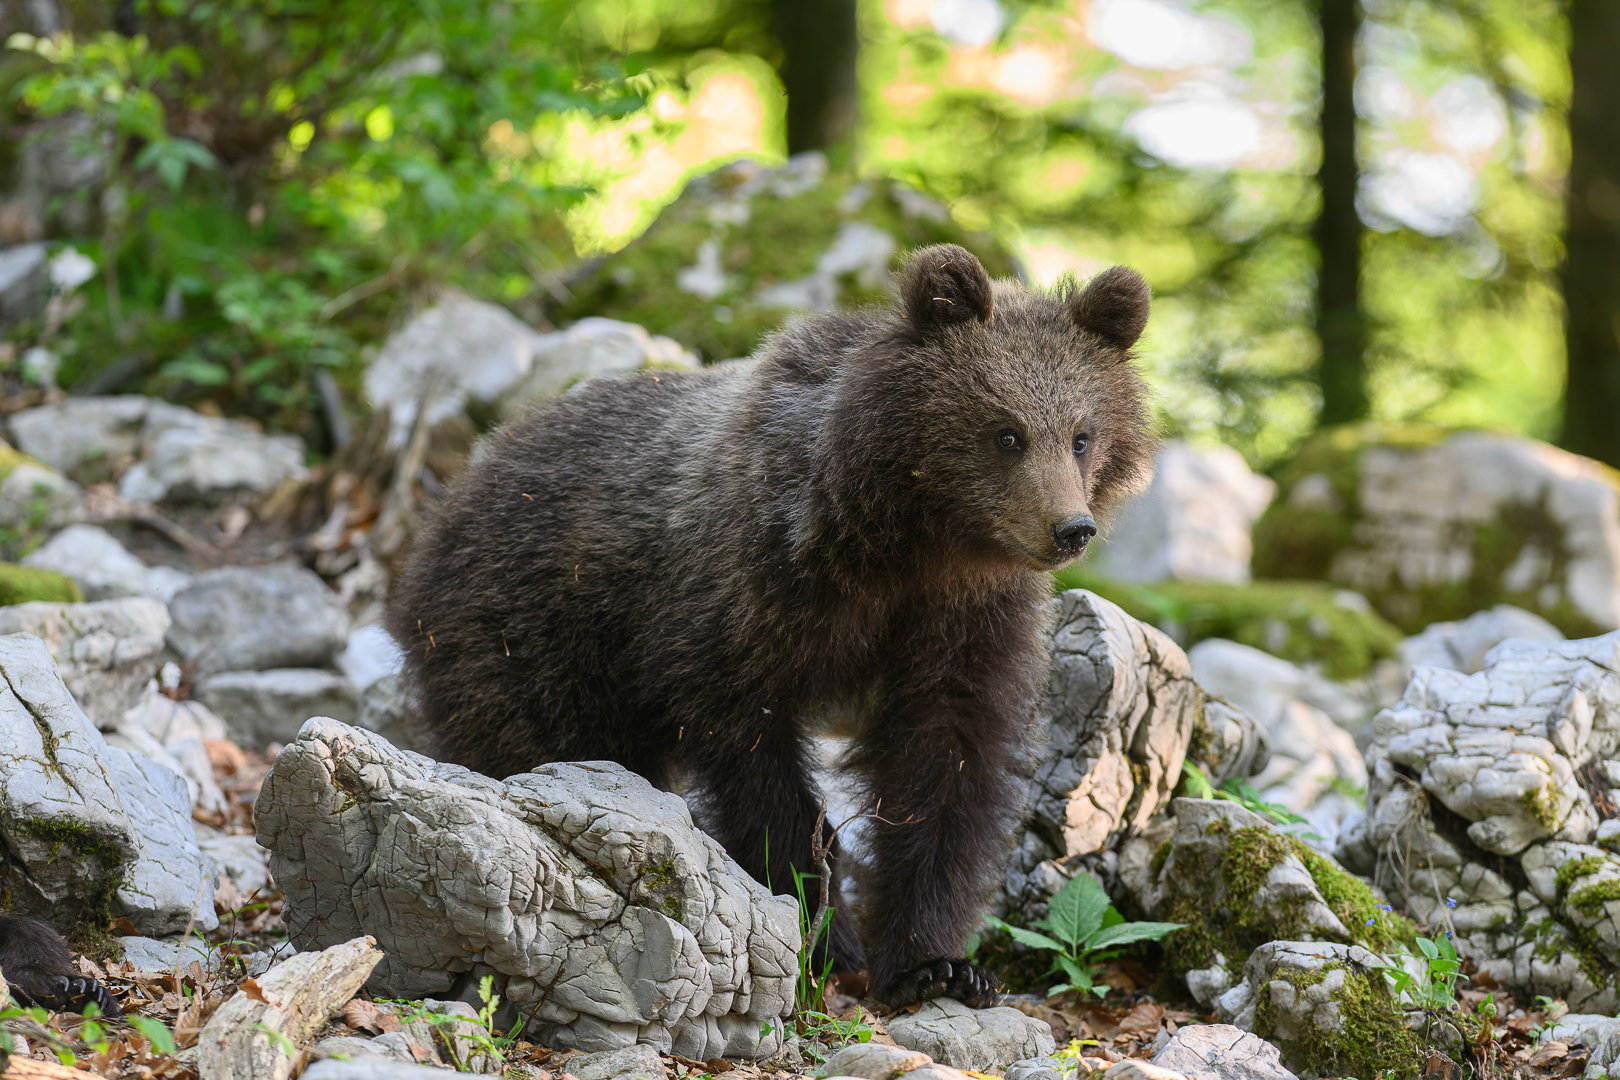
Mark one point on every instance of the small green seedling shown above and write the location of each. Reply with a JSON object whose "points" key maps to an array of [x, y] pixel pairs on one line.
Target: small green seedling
{"points": [[1085, 929]]}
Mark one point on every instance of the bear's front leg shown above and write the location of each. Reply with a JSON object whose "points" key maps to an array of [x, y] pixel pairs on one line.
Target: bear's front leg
{"points": [[945, 766]]}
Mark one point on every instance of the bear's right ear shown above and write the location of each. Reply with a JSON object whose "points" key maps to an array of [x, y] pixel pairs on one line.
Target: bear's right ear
{"points": [[944, 285], [1114, 306]]}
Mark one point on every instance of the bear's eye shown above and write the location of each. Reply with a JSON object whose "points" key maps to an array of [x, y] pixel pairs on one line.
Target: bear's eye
{"points": [[1008, 440], [1079, 445]]}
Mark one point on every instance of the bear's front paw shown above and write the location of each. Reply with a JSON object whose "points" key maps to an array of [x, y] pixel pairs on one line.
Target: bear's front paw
{"points": [[972, 986], [64, 993]]}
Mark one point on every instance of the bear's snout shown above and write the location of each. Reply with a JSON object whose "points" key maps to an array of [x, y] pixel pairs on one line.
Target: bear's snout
{"points": [[1071, 535]]}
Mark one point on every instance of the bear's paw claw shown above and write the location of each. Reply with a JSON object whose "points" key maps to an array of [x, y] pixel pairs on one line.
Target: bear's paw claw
{"points": [[958, 979]]}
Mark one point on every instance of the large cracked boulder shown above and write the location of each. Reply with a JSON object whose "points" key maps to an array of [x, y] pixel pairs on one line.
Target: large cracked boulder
{"points": [[1495, 790], [963, 1038], [1120, 714], [90, 830], [1432, 524], [1236, 882], [609, 916]]}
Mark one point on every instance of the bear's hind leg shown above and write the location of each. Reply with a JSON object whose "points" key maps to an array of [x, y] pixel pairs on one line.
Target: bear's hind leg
{"points": [[761, 805]]}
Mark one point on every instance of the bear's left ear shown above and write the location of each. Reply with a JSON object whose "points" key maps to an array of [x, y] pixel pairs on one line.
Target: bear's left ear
{"points": [[1114, 306], [943, 285]]}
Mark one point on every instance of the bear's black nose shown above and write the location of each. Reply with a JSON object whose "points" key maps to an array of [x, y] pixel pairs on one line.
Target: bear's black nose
{"points": [[1071, 535]]}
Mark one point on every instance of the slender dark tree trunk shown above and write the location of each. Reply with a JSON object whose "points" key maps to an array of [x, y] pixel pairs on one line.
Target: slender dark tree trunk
{"points": [[1592, 236], [818, 71], [1339, 321]]}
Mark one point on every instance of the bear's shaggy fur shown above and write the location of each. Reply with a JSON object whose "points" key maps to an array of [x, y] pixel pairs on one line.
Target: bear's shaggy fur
{"points": [[675, 571]]}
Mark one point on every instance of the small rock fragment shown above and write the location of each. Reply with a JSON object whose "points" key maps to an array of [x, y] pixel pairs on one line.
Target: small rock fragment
{"points": [[875, 1061], [240, 1041]]}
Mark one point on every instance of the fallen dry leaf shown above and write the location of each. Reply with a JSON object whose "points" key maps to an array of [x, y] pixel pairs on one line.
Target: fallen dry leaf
{"points": [[252, 989], [1142, 1022], [1547, 1053]]}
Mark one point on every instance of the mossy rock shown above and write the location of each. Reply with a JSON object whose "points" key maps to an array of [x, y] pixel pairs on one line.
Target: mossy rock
{"points": [[1300, 621], [1443, 558], [706, 271], [1373, 1041], [1236, 926], [21, 584]]}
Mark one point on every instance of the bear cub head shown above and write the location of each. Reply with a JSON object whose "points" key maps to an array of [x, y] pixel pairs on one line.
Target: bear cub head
{"points": [[1013, 417]]}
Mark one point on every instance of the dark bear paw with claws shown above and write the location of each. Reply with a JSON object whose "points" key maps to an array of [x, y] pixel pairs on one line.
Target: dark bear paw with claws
{"points": [[70, 993], [972, 986]]}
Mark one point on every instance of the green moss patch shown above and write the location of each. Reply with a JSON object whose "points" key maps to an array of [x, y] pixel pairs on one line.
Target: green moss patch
{"points": [[780, 241], [1301, 621], [1375, 1040], [21, 584], [84, 917], [1585, 866], [1240, 926]]}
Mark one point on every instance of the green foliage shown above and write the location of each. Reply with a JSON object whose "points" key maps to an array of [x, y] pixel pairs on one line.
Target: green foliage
{"points": [[453, 1028], [1301, 621], [157, 1033], [1234, 789], [289, 174], [1373, 1039], [1435, 987], [1085, 929]]}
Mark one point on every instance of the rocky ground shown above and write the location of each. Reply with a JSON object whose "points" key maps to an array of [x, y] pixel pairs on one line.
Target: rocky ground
{"points": [[1409, 747]]}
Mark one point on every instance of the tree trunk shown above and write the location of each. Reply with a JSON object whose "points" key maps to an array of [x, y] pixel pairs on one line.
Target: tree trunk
{"points": [[1591, 270], [818, 70], [1339, 322]]}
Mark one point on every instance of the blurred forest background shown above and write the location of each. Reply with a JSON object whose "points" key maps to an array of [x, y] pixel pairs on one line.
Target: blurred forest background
{"points": [[1398, 209]]}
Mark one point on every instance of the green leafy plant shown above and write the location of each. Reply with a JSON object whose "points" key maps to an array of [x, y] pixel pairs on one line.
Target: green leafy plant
{"points": [[481, 1033], [1240, 791], [1084, 929]]}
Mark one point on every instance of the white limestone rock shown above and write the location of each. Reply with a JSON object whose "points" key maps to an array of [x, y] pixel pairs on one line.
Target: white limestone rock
{"points": [[126, 820], [107, 651], [209, 462], [1463, 645], [1221, 1052], [590, 348], [1110, 737], [241, 618], [102, 567], [77, 432], [610, 913], [1192, 523], [971, 1039]]}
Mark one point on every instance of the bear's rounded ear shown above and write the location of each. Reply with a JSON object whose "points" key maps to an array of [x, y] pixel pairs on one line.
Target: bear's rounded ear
{"points": [[944, 285], [1114, 306]]}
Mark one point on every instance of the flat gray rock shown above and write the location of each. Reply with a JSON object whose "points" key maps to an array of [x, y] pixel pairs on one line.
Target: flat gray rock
{"points": [[639, 1062], [953, 1034], [81, 817], [609, 916], [242, 618], [82, 432], [150, 954], [107, 651], [875, 1061], [1221, 1052], [25, 282], [264, 707]]}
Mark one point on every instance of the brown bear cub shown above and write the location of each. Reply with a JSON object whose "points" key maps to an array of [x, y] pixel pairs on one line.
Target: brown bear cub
{"points": [[677, 571]]}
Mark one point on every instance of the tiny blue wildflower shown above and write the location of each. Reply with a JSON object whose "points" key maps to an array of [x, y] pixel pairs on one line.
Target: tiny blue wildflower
{"points": [[1370, 922], [1450, 903]]}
